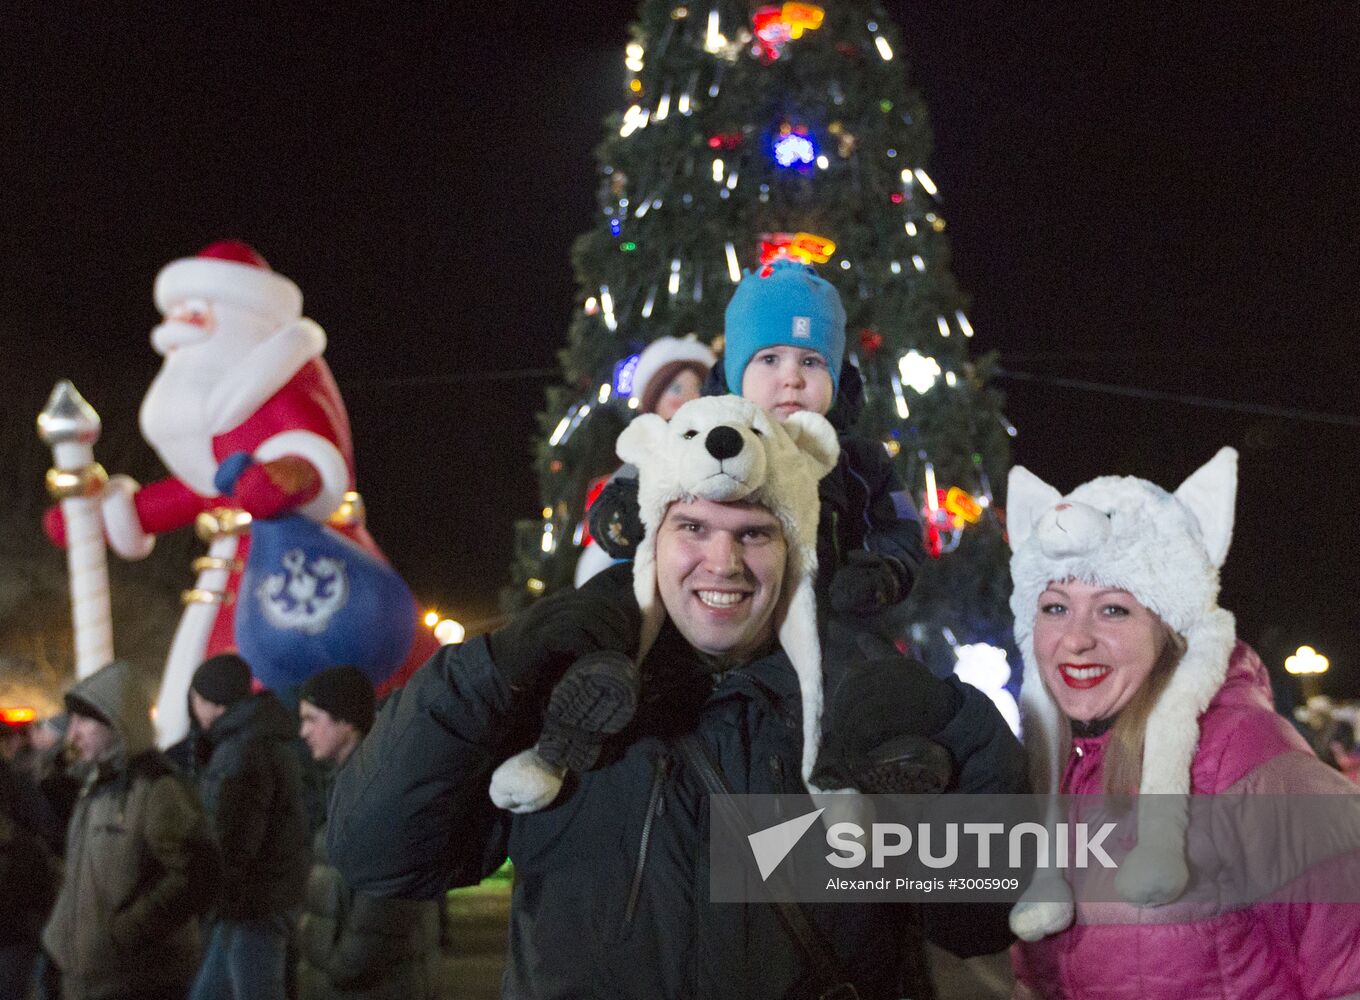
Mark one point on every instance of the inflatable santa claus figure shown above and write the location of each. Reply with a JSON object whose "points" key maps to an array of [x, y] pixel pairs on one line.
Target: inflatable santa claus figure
{"points": [[248, 419]]}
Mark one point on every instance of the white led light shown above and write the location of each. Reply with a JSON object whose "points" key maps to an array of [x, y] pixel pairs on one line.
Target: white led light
{"points": [[918, 371], [647, 305], [926, 182], [932, 491], [903, 411], [673, 286], [964, 325], [607, 306], [733, 268], [605, 390], [884, 49], [663, 108], [682, 105], [732, 180], [717, 169], [845, 265], [918, 262], [823, 162], [910, 227], [949, 379], [713, 38], [943, 324]]}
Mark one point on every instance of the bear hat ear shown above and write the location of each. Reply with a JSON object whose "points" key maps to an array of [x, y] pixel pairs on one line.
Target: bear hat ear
{"points": [[815, 438], [1210, 494], [641, 439], [1027, 498]]}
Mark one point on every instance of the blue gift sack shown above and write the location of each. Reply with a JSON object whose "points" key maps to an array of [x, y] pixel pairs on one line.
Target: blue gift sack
{"points": [[310, 598]]}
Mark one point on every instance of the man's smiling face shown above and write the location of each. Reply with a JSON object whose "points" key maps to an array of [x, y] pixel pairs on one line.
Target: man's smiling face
{"points": [[720, 570]]}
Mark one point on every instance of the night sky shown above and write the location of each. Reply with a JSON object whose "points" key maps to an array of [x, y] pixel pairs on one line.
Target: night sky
{"points": [[1159, 200]]}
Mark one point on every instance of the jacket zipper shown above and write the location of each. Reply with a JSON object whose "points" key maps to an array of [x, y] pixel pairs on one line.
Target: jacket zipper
{"points": [[655, 807]]}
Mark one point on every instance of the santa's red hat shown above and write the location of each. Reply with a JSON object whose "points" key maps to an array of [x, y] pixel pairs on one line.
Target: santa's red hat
{"points": [[229, 271]]}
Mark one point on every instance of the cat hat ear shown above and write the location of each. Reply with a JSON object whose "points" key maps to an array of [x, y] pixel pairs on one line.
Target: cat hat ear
{"points": [[1165, 549]]}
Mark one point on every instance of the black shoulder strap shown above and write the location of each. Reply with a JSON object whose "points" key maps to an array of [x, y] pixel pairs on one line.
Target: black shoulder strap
{"points": [[826, 967]]}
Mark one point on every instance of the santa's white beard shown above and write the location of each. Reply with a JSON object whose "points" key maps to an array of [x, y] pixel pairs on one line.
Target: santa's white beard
{"points": [[176, 415]]}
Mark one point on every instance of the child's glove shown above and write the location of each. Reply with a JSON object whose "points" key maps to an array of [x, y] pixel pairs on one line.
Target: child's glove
{"points": [[615, 521], [865, 584]]}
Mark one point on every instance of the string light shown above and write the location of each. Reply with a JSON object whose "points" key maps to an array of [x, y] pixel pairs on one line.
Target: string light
{"points": [[733, 268], [950, 378], [895, 267], [884, 49], [732, 180], [663, 108], [603, 395], [649, 303], [943, 324], [964, 325], [673, 286], [918, 371], [534, 585], [918, 262], [926, 182], [910, 227], [607, 305], [717, 170], [902, 411], [714, 42], [633, 57]]}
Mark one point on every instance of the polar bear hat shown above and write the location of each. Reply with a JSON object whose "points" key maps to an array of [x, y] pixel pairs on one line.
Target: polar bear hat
{"points": [[727, 449], [1166, 550]]}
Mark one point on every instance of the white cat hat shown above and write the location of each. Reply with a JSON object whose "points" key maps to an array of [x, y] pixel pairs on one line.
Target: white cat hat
{"points": [[1165, 549]]}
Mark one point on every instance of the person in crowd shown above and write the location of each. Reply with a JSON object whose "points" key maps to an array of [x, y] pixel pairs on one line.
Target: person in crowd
{"points": [[356, 946], [670, 372], [610, 892], [249, 779], [1135, 684], [141, 864], [784, 349], [30, 843]]}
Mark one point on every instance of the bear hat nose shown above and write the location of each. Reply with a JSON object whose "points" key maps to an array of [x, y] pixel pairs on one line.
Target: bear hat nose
{"points": [[723, 442]]}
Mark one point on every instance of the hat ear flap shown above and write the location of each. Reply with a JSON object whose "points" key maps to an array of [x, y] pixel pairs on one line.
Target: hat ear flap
{"points": [[815, 438], [1027, 496], [1210, 494], [641, 439]]}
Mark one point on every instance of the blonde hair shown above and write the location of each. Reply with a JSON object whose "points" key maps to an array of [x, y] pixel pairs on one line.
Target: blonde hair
{"points": [[1124, 755]]}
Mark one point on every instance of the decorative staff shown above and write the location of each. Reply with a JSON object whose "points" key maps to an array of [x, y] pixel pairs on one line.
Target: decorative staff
{"points": [[71, 427]]}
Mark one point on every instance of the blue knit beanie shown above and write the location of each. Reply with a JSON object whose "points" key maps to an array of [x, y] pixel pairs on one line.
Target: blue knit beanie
{"points": [[791, 307]]}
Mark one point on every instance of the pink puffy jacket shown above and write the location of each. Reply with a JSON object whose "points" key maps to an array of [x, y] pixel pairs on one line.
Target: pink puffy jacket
{"points": [[1270, 951]]}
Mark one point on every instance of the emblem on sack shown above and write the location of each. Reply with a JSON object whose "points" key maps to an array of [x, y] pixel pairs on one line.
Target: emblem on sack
{"points": [[305, 596]]}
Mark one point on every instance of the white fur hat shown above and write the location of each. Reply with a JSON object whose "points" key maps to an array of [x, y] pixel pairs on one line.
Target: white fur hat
{"points": [[663, 352], [726, 449], [1165, 549], [229, 271]]}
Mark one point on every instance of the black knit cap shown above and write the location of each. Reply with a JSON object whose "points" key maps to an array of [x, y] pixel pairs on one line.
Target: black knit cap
{"points": [[343, 692], [223, 679]]}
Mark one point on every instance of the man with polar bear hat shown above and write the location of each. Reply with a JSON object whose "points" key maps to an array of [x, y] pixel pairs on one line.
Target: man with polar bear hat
{"points": [[719, 615]]}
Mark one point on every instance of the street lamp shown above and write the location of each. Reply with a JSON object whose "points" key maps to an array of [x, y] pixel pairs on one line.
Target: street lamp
{"points": [[1308, 665]]}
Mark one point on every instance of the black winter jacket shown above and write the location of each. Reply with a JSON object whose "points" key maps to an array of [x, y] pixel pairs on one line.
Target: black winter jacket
{"points": [[359, 947], [610, 890], [250, 782]]}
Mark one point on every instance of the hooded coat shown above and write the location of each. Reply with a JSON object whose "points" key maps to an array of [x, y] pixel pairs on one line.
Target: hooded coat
{"points": [[1284, 951], [140, 862], [251, 785]]}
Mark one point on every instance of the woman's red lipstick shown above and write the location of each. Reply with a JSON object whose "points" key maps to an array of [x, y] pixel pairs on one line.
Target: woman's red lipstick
{"points": [[1083, 676]]}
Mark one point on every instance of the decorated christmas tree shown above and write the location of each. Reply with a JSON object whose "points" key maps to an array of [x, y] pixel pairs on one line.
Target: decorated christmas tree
{"points": [[752, 133]]}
